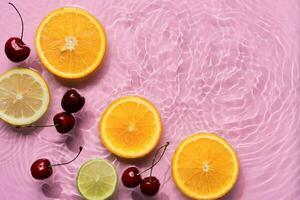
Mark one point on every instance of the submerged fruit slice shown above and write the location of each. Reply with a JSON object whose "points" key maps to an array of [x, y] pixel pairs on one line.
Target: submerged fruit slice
{"points": [[130, 127], [70, 43], [24, 96], [205, 166], [96, 179]]}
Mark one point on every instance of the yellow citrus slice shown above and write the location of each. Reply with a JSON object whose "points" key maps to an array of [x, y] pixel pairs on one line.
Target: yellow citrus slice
{"points": [[205, 166], [70, 42], [130, 127], [24, 96]]}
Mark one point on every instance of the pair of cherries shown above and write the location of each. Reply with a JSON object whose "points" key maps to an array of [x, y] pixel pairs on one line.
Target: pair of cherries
{"points": [[64, 122], [150, 185], [71, 102]]}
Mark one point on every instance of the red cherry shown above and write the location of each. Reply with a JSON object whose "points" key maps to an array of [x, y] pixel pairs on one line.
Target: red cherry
{"points": [[15, 49], [72, 101], [150, 185], [131, 177], [42, 168], [64, 122]]}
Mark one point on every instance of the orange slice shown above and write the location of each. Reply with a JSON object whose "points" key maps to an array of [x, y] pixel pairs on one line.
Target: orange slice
{"points": [[70, 43], [130, 127], [205, 166]]}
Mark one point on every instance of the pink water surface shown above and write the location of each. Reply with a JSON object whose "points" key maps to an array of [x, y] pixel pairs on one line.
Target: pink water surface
{"points": [[226, 66]]}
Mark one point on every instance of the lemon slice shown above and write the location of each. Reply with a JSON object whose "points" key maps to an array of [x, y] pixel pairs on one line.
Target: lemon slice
{"points": [[96, 180], [130, 127], [70, 42], [24, 96], [205, 166]]}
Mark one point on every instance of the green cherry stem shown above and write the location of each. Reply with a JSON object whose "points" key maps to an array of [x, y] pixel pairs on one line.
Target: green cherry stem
{"points": [[164, 147], [20, 18], [80, 149], [36, 126]]}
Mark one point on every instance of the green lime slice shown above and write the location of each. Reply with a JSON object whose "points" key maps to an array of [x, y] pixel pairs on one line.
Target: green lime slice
{"points": [[96, 179]]}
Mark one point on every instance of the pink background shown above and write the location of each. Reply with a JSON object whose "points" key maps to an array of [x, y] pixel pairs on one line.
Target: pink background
{"points": [[227, 66]]}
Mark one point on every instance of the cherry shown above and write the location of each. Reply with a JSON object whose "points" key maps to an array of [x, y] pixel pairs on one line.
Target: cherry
{"points": [[64, 122], [150, 185], [131, 177], [72, 101], [42, 168], [15, 49]]}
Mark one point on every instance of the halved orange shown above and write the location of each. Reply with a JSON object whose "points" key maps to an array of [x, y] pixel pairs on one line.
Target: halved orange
{"points": [[70, 42], [205, 166], [130, 127]]}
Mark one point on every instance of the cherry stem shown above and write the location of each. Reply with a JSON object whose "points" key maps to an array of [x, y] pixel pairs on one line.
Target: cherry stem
{"points": [[20, 18], [36, 126], [80, 149], [154, 158]]}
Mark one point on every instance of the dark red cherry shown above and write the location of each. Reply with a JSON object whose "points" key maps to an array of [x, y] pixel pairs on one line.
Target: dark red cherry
{"points": [[64, 122], [41, 169], [72, 101], [131, 177], [15, 49], [150, 185]]}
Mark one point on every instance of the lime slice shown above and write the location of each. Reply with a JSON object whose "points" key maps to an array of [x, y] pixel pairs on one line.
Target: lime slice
{"points": [[96, 179]]}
